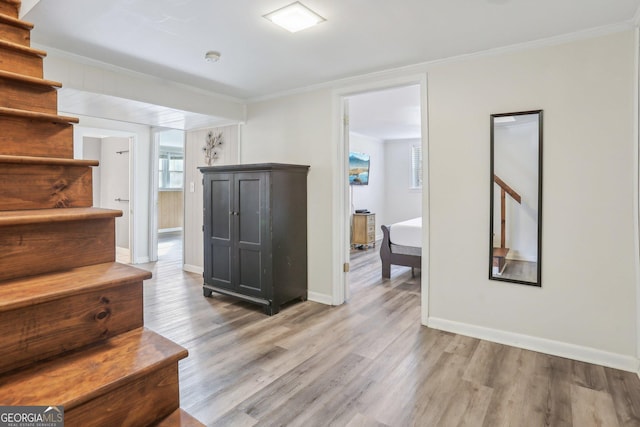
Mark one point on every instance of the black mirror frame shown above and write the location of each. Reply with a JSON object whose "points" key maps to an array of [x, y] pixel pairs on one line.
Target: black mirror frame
{"points": [[538, 281]]}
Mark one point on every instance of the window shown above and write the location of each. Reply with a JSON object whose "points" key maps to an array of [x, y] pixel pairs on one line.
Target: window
{"points": [[171, 170], [416, 166]]}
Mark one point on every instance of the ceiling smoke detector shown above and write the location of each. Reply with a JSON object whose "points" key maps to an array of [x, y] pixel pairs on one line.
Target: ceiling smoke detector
{"points": [[212, 56]]}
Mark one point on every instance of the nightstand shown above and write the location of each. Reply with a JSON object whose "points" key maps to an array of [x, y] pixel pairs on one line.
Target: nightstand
{"points": [[364, 230]]}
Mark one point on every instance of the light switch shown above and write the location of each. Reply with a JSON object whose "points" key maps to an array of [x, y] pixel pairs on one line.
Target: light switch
{"points": [[192, 187]]}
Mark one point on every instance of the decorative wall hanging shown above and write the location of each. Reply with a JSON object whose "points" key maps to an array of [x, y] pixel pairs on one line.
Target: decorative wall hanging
{"points": [[213, 141]]}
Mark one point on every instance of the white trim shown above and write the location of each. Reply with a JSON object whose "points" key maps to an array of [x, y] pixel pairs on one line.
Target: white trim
{"points": [[193, 268], [133, 221], [141, 260], [339, 223], [636, 183], [542, 345], [426, 201], [320, 298], [341, 191], [422, 67], [153, 192], [239, 149], [26, 6], [636, 17]]}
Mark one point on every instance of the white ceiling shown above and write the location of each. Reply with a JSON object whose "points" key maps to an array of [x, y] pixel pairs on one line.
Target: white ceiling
{"points": [[168, 39], [386, 114]]}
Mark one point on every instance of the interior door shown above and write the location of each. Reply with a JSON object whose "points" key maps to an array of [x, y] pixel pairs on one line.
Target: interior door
{"points": [[252, 222], [218, 230]]}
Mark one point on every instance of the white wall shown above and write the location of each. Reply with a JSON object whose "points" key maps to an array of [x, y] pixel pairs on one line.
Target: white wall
{"points": [[371, 196], [403, 202], [298, 129], [586, 306], [587, 298], [193, 217]]}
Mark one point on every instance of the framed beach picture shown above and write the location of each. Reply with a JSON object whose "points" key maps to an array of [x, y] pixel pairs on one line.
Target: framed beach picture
{"points": [[358, 168]]}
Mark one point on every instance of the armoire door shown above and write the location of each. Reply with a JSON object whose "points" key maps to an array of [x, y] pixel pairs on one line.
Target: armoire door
{"points": [[218, 230], [251, 204]]}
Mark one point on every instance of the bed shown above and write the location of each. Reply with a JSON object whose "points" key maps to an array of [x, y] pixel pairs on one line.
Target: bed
{"points": [[401, 245]]}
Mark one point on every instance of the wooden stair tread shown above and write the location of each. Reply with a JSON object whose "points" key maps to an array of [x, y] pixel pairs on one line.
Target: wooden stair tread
{"points": [[35, 216], [37, 116], [33, 290], [500, 252], [46, 161], [81, 376], [24, 49], [179, 418], [16, 22], [28, 79]]}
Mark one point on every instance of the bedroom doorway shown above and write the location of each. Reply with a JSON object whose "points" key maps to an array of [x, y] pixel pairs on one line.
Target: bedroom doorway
{"points": [[382, 138]]}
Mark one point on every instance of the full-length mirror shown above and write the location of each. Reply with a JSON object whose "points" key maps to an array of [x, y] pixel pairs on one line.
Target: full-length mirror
{"points": [[516, 197]]}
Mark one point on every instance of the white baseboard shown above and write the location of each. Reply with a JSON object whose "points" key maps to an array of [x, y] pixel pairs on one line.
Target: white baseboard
{"points": [[318, 297], [141, 260], [193, 268], [542, 345]]}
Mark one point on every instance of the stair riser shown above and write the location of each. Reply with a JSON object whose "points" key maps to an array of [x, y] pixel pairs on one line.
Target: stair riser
{"points": [[20, 62], [8, 9], [24, 96], [40, 187], [27, 137], [15, 34], [139, 403], [49, 329], [27, 250]]}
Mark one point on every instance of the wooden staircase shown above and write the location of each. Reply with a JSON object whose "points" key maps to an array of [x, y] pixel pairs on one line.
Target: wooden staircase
{"points": [[71, 318]]}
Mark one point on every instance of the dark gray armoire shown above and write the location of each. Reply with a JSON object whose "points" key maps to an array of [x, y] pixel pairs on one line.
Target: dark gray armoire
{"points": [[255, 232]]}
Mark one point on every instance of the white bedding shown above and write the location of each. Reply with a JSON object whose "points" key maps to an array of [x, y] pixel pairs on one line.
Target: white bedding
{"points": [[407, 233]]}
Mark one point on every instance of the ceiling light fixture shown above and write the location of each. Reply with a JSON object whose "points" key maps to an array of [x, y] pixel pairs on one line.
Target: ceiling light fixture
{"points": [[212, 56], [294, 17]]}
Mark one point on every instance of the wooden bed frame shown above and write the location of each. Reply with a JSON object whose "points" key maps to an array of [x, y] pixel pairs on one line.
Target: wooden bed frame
{"points": [[388, 257]]}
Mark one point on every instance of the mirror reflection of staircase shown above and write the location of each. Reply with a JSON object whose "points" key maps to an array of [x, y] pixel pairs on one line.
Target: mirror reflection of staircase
{"points": [[71, 318], [499, 262]]}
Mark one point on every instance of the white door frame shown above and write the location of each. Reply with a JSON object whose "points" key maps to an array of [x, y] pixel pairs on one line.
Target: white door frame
{"points": [[155, 188], [341, 211], [79, 132], [153, 197]]}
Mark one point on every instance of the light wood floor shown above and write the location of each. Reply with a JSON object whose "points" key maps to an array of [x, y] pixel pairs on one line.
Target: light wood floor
{"points": [[367, 363]]}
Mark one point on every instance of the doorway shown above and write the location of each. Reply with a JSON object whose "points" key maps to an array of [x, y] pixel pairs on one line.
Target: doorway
{"points": [[168, 189], [112, 184], [393, 134]]}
